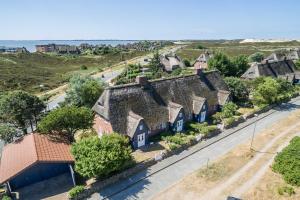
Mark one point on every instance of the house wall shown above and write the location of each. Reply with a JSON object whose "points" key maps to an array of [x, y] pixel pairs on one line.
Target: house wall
{"points": [[197, 117], [38, 172], [180, 116], [141, 128]]}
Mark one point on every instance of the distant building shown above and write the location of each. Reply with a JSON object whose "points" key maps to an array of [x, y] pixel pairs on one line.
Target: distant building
{"points": [[284, 69], [57, 48], [34, 158], [13, 50], [291, 54], [202, 60], [171, 62], [148, 107]]}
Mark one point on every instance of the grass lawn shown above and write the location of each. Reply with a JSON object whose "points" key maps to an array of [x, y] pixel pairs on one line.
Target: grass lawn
{"points": [[29, 71]]}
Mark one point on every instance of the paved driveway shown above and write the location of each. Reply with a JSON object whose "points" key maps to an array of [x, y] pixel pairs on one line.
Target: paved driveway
{"points": [[159, 177]]}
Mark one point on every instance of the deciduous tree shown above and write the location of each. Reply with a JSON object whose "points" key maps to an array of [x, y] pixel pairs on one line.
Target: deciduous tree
{"points": [[238, 89], [83, 91], [66, 120], [8, 133], [20, 108]]}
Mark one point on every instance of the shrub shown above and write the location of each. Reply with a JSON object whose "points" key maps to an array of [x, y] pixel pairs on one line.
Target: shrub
{"points": [[5, 197], [229, 121], [83, 67], [199, 46], [256, 57], [158, 137], [269, 91], [100, 157], [75, 191], [202, 128], [287, 162], [229, 110], [286, 189], [238, 89], [178, 139], [186, 62]]}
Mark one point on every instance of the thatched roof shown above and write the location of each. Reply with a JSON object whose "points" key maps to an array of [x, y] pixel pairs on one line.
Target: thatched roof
{"points": [[171, 62], [158, 101], [274, 69]]}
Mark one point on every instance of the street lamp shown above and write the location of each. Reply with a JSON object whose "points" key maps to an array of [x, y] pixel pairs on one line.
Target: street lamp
{"points": [[255, 115]]}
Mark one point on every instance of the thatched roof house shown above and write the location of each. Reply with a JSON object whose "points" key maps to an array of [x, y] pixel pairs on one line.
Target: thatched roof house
{"points": [[278, 69], [202, 60], [148, 107], [171, 62], [292, 54]]}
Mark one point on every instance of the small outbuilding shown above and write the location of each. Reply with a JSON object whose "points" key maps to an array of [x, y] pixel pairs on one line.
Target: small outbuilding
{"points": [[32, 159]]}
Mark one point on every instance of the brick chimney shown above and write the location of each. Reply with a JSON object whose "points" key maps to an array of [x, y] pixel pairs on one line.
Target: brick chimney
{"points": [[142, 80]]}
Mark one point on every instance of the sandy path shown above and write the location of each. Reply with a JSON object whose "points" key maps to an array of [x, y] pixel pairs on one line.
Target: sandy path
{"points": [[260, 173], [216, 192]]}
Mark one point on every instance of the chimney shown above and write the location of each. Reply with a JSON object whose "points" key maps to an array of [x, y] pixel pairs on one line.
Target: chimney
{"points": [[199, 71], [142, 80]]}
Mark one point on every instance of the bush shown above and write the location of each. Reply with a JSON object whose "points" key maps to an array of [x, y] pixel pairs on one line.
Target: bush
{"points": [[186, 62], [238, 89], [5, 197], [287, 162], [199, 46], [177, 72], [177, 140], [229, 110], [202, 128], [75, 191], [100, 157], [158, 137], [229, 121], [256, 57], [269, 91], [83, 67], [286, 189]]}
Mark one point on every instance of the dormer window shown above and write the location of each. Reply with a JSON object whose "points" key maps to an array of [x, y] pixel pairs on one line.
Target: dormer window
{"points": [[180, 114], [141, 127]]}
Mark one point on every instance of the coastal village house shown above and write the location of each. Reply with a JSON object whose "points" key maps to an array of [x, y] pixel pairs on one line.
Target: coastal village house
{"points": [[292, 54], [284, 69], [202, 60], [57, 48], [148, 107], [171, 62]]}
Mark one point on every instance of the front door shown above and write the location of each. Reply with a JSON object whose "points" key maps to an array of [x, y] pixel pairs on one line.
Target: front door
{"points": [[203, 115], [179, 125], [141, 139]]}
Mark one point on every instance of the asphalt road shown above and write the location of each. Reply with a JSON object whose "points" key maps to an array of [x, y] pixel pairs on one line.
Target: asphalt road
{"points": [[159, 177]]}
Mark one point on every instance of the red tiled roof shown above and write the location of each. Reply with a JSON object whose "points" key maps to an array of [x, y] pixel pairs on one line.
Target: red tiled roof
{"points": [[29, 150]]}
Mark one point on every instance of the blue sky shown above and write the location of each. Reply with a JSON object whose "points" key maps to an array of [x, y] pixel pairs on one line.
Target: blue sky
{"points": [[149, 19]]}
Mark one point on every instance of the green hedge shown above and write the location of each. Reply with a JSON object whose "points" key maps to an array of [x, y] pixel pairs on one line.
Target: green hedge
{"points": [[75, 191], [203, 128], [287, 162], [177, 140]]}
